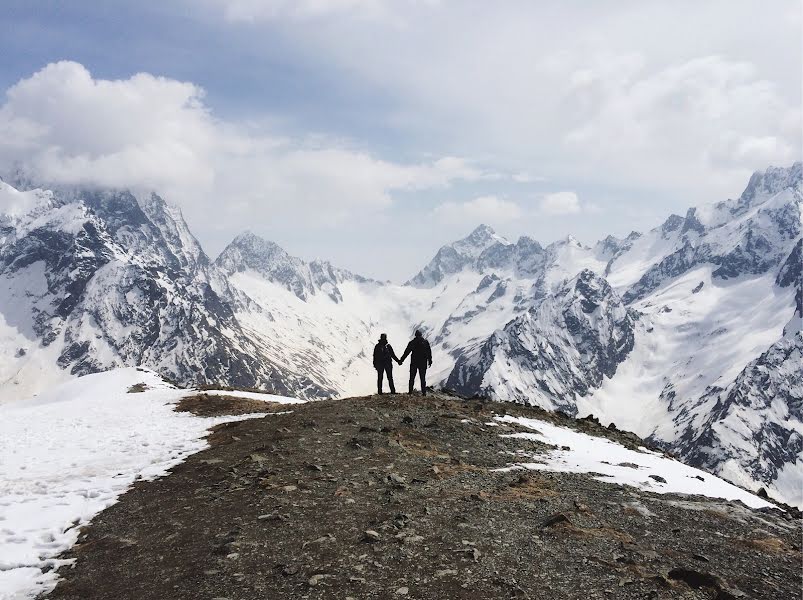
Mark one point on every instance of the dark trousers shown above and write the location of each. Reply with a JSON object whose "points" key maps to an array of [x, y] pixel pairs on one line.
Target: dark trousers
{"points": [[422, 373], [379, 373]]}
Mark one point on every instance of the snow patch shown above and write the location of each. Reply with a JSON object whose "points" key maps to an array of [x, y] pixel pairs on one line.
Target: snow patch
{"points": [[615, 463]]}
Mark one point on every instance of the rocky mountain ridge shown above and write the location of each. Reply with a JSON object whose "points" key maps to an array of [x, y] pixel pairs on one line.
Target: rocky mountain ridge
{"points": [[403, 496]]}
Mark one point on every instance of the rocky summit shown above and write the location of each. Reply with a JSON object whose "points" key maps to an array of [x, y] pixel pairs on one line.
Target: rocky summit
{"points": [[401, 496]]}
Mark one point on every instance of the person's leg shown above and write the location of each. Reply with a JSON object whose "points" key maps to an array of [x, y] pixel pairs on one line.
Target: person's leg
{"points": [[389, 371], [412, 376], [379, 374], [422, 371]]}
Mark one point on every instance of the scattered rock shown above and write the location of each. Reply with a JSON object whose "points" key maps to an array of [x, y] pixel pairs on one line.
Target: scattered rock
{"points": [[371, 536], [396, 478], [554, 520], [658, 478], [316, 579], [413, 539], [445, 572], [696, 579]]}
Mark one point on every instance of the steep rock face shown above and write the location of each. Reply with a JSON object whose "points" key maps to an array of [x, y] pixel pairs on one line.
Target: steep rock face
{"points": [[112, 280], [560, 349], [754, 432], [249, 251], [525, 258]]}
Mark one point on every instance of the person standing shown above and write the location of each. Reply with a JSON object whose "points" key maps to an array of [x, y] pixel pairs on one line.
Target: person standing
{"points": [[383, 363], [419, 361]]}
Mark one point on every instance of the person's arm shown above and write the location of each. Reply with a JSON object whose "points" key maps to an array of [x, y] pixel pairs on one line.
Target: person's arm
{"points": [[393, 354], [429, 354], [406, 352]]}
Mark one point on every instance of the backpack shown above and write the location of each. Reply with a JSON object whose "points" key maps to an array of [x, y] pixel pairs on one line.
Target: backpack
{"points": [[380, 355]]}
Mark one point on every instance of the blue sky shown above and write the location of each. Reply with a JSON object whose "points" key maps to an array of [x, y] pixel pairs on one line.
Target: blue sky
{"points": [[370, 132]]}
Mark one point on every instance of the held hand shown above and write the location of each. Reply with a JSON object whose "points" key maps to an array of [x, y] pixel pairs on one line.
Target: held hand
{"points": [[430, 363]]}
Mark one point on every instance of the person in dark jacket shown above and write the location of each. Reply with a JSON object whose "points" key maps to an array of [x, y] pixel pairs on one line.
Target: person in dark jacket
{"points": [[419, 361], [383, 363]]}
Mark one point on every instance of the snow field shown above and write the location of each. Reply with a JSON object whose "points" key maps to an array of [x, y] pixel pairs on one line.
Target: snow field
{"points": [[69, 453], [616, 464]]}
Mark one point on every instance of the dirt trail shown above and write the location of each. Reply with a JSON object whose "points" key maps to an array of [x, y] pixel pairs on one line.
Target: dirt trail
{"points": [[394, 497]]}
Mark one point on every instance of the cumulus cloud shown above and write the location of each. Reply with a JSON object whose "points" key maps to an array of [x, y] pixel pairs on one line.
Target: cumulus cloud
{"points": [[66, 127], [560, 203], [484, 209], [709, 112], [625, 100]]}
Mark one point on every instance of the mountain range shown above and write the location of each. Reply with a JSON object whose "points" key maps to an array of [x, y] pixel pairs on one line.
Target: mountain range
{"points": [[688, 334]]}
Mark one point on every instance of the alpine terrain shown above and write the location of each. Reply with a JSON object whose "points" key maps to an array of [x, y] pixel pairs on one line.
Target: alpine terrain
{"points": [[688, 335], [110, 491]]}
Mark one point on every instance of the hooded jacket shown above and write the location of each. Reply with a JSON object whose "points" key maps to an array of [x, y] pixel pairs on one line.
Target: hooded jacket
{"points": [[383, 355], [421, 352]]}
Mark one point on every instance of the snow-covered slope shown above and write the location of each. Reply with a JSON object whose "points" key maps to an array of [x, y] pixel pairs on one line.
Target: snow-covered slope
{"points": [[68, 453]]}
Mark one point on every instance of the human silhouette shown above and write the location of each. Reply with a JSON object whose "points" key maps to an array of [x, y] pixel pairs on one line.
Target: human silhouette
{"points": [[383, 363], [419, 361]]}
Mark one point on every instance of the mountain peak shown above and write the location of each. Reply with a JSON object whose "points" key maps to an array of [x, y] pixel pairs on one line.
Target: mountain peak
{"points": [[772, 181], [478, 240], [453, 257], [250, 251], [483, 231]]}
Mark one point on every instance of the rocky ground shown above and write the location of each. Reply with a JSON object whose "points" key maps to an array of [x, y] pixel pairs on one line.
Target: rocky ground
{"points": [[393, 497]]}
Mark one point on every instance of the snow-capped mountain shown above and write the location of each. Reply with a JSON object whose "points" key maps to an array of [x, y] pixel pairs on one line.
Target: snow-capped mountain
{"points": [[248, 251], [455, 257], [91, 280], [560, 348], [685, 334]]}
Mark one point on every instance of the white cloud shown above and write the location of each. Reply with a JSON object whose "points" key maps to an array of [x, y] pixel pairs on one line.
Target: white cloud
{"points": [[560, 203], [524, 177], [625, 100], [706, 114], [484, 209], [65, 126]]}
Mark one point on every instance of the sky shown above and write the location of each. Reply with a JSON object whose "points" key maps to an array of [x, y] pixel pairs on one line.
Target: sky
{"points": [[371, 132]]}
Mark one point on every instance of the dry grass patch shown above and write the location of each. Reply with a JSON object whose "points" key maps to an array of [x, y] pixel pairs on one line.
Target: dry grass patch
{"points": [[206, 405]]}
